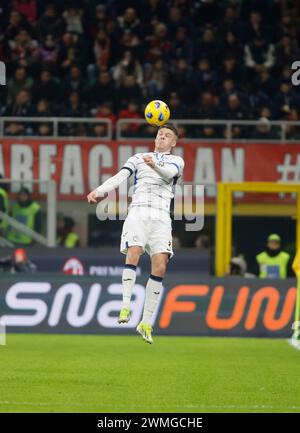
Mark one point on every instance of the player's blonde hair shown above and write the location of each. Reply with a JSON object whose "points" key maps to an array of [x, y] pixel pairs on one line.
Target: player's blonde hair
{"points": [[171, 127]]}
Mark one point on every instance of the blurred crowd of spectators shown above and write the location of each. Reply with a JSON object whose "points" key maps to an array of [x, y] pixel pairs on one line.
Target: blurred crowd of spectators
{"points": [[208, 59]]}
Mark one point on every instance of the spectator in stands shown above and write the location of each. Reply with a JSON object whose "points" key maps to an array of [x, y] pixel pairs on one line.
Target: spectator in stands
{"points": [[181, 79], [132, 112], [42, 109], [18, 262], [20, 81], [101, 91], [105, 111], [101, 20], [129, 21], [208, 45], [27, 212], [182, 131], [176, 106], [202, 242], [292, 131], [47, 87], [70, 52], [129, 90], [155, 78], [208, 107], [48, 53], [234, 108], [28, 8], [102, 49], [287, 51], [21, 106], [230, 69], [231, 21], [182, 46], [74, 106], [264, 131], [129, 41], [74, 82], [44, 129], [205, 76], [232, 46], [289, 24], [98, 130], [24, 50], [49, 23], [73, 20], [264, 84], [66, 236], [173, 40], [284, 99], [228, 88], [15, 24], [208, 132], [158, 45], [265, 112], [256, 28], [15, 129], [175, 21], [258, 54], [128, 65]]}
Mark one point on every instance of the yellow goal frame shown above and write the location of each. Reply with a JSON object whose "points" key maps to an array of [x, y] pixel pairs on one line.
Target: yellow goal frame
{"points": [[224, 215]]}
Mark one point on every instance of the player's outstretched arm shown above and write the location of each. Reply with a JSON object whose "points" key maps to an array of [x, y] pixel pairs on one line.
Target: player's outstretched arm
{"points": [[109, 185]]}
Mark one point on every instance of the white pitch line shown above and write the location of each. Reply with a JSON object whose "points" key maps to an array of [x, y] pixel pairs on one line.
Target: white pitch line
{"points": [[295, 345], [255, 407]]}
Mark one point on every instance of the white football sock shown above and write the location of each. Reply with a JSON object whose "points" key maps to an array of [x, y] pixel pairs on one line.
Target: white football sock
{"points": [[153, 289], [128, 281]]}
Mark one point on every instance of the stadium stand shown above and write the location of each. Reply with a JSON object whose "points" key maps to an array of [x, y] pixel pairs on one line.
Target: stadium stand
{"points": [[210, 59]]}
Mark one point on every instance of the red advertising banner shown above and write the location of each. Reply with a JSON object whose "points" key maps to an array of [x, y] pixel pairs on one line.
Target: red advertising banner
{"points": [[80, 165]]}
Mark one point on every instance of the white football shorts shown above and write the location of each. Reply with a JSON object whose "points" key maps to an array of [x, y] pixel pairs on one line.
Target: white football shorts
{"points": [[148, 228]]}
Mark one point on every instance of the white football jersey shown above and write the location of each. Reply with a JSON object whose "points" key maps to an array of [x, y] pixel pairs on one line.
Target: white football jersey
{"points": [[151, 189]]}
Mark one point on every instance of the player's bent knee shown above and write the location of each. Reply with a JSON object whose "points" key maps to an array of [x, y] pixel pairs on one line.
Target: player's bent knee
{"points": [[133, 255], [159, 265], [159, 271]]}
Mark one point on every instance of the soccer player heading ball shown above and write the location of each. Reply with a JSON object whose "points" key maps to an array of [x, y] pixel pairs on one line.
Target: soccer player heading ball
{"points": [[148, 224]]}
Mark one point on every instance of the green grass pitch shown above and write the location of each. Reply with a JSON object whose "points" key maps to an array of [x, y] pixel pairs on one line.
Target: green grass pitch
{"points": [[68, 373]]}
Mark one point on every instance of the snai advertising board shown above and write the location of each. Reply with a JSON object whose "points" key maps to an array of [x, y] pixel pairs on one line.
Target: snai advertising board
{"points": [[187, 306]]}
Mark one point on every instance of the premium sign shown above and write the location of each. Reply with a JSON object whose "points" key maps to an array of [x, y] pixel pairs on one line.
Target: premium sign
{"points": [[227, 306], [80, 166]]}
